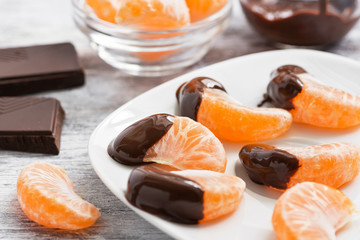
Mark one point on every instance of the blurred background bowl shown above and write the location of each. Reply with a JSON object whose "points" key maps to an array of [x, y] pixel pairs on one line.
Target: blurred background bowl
{"points": [[304, 23], [150, 53]]}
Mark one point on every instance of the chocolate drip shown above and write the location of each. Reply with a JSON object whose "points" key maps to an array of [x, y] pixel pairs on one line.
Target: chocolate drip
{"points": [[130, 146], [268, 165], [284, 86], [165, 194], [189, 95]]}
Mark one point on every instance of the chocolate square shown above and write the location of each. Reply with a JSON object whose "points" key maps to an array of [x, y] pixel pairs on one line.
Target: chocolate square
{"points": [[33, 69], [31, 124]]}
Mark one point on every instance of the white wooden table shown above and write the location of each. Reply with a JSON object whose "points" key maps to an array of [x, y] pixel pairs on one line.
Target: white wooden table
{"points": [[29, 22]]}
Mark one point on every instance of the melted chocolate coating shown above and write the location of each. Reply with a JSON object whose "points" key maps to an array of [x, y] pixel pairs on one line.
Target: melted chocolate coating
{"points": [[130, 146], [268, 165], [165, 194], [284, 86], [287, 69], [303, 23], [189, 95]]}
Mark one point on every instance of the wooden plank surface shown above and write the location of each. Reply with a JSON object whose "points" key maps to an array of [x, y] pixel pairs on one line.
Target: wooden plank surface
{"points": [[24, 22]]}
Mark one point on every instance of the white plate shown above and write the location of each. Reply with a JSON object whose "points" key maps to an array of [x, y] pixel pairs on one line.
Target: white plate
{"points": [[245, 78]]}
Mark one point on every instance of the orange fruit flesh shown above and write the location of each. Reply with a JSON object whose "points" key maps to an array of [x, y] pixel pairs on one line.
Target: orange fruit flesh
{"points": [[104, 9], [311, 211], [330, 164], [200, 9], [145, 15], [325, 106], [188, 145], [229, 120], [222, 193], [46, 195], [153, 14]]}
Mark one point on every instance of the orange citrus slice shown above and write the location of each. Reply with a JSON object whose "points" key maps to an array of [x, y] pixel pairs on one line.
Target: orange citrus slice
{"points": [[46, 195], [331, 164], [311, 211], [104, 9], [190, 196], [175, 141], [154, 15], [145, 15], [206, 101], [310, 102], [325, 106], [200, 9], [222, 192]]}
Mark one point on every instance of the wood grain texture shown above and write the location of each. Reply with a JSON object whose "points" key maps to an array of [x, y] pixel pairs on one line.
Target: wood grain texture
{"points": [[24, 22]]}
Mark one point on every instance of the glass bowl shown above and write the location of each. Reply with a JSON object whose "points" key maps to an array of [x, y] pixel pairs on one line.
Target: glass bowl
{"points": [[150, 53], [313, 23]]}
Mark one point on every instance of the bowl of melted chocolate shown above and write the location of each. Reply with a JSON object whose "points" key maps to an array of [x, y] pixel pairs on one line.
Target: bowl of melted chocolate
{"points": [[302, 22]]}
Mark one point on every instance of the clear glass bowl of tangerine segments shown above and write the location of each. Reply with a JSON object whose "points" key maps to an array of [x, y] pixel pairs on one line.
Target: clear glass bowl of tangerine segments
{"points": [[151, 40]]}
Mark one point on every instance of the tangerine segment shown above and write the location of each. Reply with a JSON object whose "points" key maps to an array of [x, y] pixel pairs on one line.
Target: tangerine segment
{"points": [[200, 9], [188, 145], [154, 15], [190, 196], [311, 211], [104, 9], [46, 195], [229, 120], [332, 164], [222, 193], [325, 106]]}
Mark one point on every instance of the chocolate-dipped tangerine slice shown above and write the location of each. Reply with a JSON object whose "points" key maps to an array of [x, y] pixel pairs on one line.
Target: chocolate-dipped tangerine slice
{"points": [[190, 196], [206, 101], [310, 102], [176, 141], [331, 164]]}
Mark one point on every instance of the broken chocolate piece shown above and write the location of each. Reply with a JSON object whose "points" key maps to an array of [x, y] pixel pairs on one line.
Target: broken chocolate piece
{"points": [[30, 124], [33, 69]]}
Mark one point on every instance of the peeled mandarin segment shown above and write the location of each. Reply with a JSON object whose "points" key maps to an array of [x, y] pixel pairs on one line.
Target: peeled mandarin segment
{"points": [[154, 15], [191, 196], [104, 9], [222, 193], [175, 141], [309, 102], [206, 101], [325, 106], [331, 164], [229, 120], [46, 195], [311, 211], [200, 9], [188, 145]]}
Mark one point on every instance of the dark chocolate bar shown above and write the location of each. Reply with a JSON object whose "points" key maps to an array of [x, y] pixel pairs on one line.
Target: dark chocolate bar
{"points": [[33, 69], [31, 124]]}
